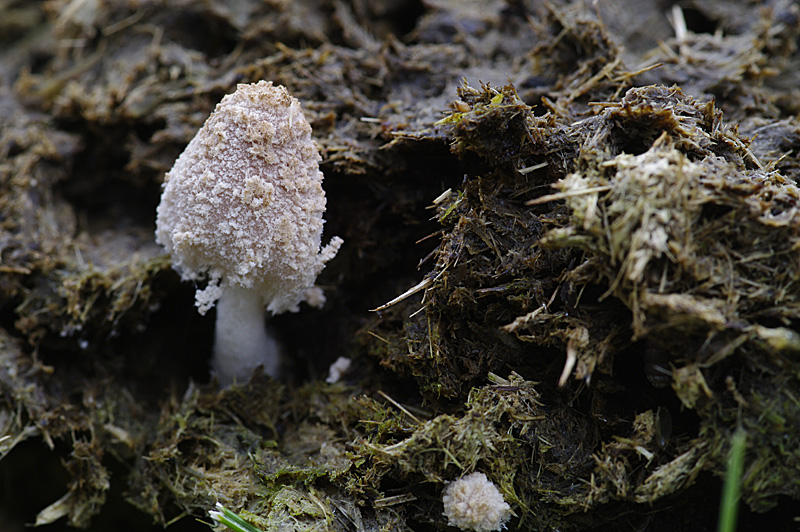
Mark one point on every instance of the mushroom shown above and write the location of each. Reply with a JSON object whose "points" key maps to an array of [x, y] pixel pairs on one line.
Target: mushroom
{"points": [[242, 208], [474, 503]]}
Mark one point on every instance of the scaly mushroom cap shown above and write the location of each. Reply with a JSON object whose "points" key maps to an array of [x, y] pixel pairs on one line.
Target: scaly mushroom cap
{"points": [[243, 204]]}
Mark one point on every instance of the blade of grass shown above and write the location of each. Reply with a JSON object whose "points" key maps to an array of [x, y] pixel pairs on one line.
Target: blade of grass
{"points": [[731, 489], [226, 517]]}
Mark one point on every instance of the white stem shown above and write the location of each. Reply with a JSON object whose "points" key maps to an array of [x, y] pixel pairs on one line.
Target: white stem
{"points": [[241, 341]]}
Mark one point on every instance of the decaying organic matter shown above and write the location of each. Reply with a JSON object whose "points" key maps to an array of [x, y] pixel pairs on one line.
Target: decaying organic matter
{"points": [[596, 209]]}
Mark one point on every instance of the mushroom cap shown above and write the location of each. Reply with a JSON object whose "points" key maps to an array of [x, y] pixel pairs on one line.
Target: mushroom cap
{"points": [[474, 503], [243, 204]]}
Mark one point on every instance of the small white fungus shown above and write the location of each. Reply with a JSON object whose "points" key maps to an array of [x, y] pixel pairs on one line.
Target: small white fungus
{"points": [[475, 503], [337, 369]]}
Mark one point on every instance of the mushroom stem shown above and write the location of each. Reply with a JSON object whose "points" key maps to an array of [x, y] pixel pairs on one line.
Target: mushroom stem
{"points": [[241, 341]]}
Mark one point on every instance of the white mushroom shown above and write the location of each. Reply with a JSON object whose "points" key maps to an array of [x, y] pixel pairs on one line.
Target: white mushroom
{"points": [[474, 503], [242, 207]]}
